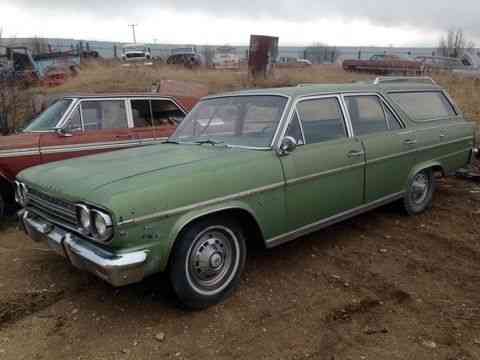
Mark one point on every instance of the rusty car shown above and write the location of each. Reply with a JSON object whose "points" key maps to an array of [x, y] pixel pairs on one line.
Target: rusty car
{"points": [[82, 124], [384, 64]]}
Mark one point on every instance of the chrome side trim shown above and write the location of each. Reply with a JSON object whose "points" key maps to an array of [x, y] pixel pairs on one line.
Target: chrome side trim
{"points": [[176, 211], [19, 152], [304, 230], [89, 146], [323, 173]]}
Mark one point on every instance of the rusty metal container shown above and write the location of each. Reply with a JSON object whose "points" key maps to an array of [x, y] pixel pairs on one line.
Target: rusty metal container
{"points": [[262, 55]]}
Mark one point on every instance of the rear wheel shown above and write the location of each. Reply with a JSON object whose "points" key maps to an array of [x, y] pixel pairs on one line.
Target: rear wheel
{"points": [[419, 193], [207, 262]]}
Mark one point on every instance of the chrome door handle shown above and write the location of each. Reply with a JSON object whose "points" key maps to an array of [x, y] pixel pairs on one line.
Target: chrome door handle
{"points": [[443, 135], [410, 141], [355, 153]]}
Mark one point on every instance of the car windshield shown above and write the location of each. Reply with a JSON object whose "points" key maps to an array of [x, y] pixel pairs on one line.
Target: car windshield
{"points": [[249, 121], [48, 120]]}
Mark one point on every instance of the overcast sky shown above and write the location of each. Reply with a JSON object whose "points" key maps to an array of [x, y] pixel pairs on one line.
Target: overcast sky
{"points": [[297, 22]]}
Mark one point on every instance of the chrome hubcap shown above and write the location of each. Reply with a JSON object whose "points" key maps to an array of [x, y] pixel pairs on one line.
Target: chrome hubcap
{"points": [[212, 258], [420, 188]]}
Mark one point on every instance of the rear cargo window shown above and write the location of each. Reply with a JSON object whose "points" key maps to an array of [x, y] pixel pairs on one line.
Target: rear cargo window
{"points": [[424, 106]]}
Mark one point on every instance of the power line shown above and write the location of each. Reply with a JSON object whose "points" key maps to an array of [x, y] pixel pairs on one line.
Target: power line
{"points": [[133, 32]]}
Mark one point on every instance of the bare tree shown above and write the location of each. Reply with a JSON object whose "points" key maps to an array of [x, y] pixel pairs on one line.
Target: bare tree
{"points": [[454, 44]]}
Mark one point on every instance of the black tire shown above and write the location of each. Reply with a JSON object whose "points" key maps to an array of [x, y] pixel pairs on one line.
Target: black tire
{"points": [[419, 194], [207, 261]]}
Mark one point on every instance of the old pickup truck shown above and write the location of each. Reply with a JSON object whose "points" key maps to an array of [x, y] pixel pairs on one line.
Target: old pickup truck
{"points": [[82, 124], [264, 166]]}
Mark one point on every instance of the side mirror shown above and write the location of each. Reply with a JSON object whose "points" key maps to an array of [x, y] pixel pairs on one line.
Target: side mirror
{"points": [[287, 145], [62, 132]]}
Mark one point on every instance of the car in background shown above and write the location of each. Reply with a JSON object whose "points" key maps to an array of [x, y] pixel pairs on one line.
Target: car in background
{"points": [[384, 64], [82, 124], [267, 166], [226, 58], [187, 57], [136, 53]]}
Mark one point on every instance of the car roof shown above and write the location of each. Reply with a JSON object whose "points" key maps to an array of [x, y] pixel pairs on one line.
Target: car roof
{"points": [[116, 95], [318, 89]]}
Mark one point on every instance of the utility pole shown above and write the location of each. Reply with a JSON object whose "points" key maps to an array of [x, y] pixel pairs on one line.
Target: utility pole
{"points": [[133, 32]]}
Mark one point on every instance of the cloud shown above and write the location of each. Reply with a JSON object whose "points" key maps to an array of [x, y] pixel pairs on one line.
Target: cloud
{"points": [[427, 14]]}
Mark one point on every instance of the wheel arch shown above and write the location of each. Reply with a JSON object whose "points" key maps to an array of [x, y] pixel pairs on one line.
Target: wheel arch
{"points": [[436, 166], [6, 188], [245, 215]]}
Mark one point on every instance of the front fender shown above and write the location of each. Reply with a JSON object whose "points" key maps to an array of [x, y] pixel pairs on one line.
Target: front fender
{"points": [[193, 215]]}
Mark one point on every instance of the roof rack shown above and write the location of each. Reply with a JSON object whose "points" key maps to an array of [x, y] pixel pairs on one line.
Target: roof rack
{"points": [[404, 79]]}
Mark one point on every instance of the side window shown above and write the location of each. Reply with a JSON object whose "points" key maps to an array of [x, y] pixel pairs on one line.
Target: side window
{"points": [[294, 130], [392, 121], [322, 120], [366, 114], [104, 114], [74, 124], [424, 106], [142, 116], [165, 112]]}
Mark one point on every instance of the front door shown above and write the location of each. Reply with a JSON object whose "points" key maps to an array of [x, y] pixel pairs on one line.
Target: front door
{"points": [[325, 173], [94, 126], [389, 147]]}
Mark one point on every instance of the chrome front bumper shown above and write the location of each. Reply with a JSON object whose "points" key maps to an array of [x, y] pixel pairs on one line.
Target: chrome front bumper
{"points": [[116, 269]]}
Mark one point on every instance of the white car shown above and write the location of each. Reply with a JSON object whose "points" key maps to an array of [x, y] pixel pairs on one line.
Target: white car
{"points": [[134, 53]]}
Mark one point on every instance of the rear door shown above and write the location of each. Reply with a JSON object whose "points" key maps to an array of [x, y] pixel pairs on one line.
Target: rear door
{"points": [[389, 146], [325, 173], [94, 125]]}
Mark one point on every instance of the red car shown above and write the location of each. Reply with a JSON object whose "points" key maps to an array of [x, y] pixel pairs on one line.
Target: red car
{"points": [[80, 125], [384, 65]]}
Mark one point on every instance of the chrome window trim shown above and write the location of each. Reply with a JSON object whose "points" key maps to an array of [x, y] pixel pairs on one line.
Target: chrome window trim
{"points": [[456, 110], [279, 124], [383, 102], [150, 99], [293, 110], [82, 100]]}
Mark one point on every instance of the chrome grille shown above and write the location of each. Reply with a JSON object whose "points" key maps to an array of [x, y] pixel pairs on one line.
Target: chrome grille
{"points": [[54, 209]]}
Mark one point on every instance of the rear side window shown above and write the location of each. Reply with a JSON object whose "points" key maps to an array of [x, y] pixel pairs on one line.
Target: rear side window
{"points": [[366, 114], [424, 106], [322, 120]]}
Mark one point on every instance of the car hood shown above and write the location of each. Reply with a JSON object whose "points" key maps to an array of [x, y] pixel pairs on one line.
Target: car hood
{"points": [[82, 177]]}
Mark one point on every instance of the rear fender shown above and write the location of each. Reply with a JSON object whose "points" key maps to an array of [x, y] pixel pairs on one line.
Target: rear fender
{"points": [[434, 164]]}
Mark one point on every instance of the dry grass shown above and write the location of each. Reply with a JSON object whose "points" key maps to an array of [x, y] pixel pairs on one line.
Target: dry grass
{"points": [[113, 77]]}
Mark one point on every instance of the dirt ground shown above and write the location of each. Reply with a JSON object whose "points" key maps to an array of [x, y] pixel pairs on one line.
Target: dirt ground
{"points": [[379, 286]]}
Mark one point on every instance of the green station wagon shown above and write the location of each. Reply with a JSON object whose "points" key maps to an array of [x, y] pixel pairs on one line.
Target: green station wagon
{"points": [[265, 166]]}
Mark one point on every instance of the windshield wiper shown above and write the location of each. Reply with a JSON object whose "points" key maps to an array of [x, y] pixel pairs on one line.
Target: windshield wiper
{"points": [[209, 141]]}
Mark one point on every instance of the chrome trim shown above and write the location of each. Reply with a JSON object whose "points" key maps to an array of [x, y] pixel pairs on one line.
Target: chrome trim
{"points": [[19, 152], [403, 80], [456, 110], [383, 102], [293, 109], [304, 230], [89, 146], [323, 173], [108, 223], [118, 269], [179, 210]]}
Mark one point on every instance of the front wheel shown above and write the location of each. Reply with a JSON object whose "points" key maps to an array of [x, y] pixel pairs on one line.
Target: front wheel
{"points": [[207, 261], [419, 194]]}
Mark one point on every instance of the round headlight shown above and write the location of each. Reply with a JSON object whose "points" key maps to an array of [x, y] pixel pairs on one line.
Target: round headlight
{"points": [[102, 225], [84, 217]]}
